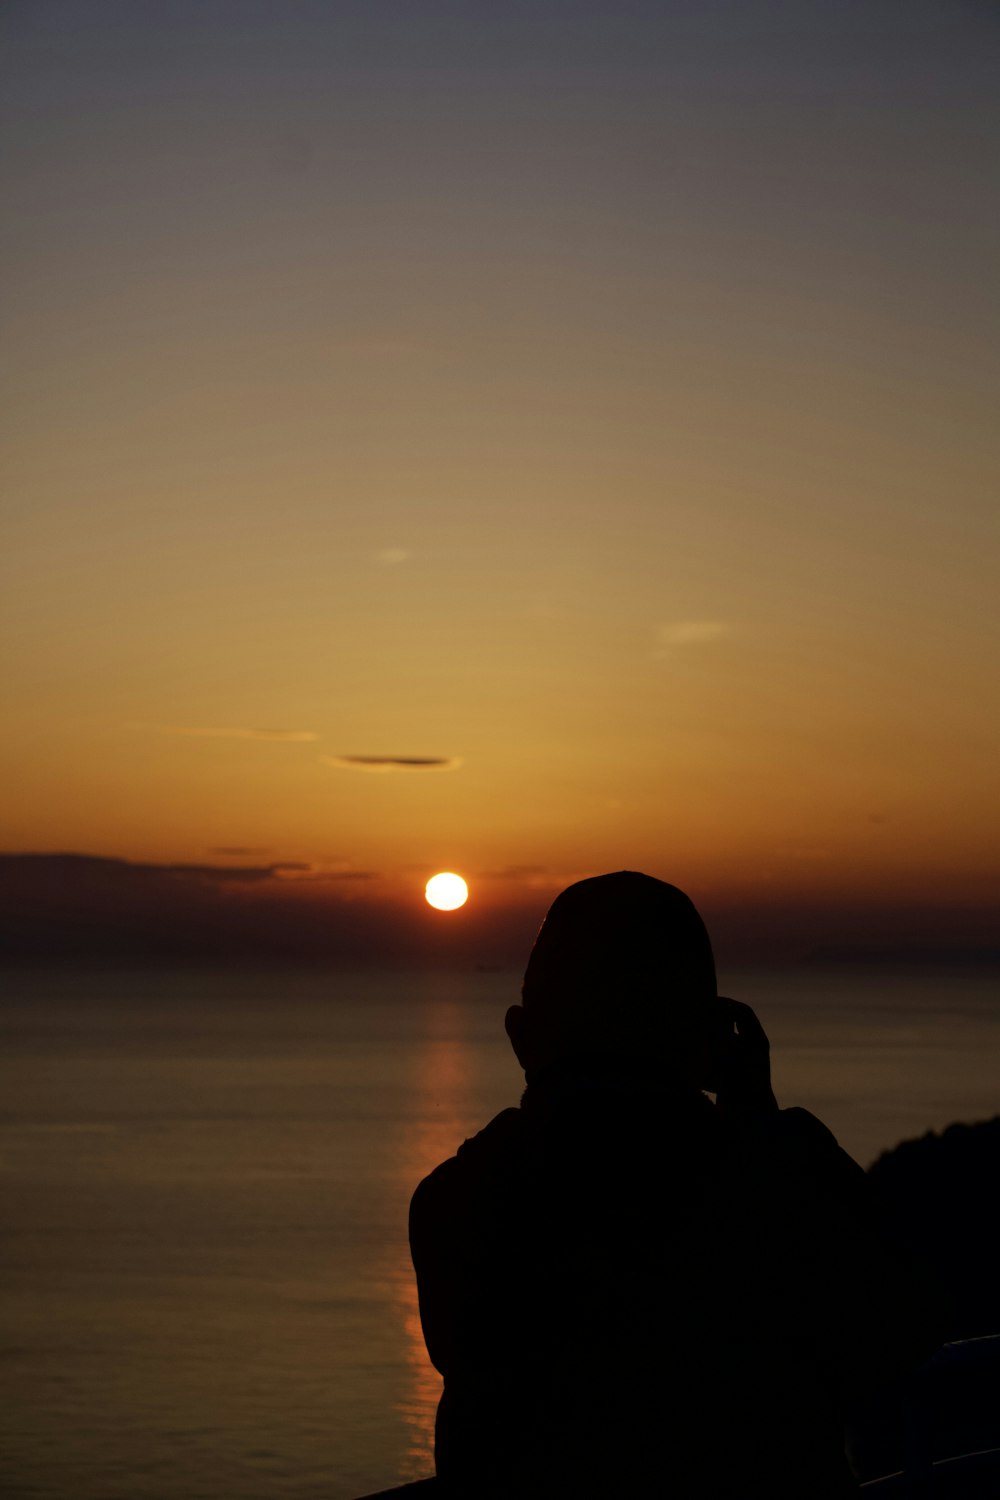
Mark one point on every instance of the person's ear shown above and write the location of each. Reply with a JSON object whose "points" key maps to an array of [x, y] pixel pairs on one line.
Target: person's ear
{"points": [[515, 1025]]}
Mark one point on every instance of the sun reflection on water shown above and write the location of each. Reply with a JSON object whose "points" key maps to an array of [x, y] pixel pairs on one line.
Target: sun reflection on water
{"points": [[444, 1089], [418, 1407]]}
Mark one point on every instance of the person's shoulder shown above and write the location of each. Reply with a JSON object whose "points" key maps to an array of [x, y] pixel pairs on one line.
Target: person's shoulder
{"points": [[802, 1142], [786, 1134], [503, 1134], [802, 1133], [802, 1159], [489, 1149]]}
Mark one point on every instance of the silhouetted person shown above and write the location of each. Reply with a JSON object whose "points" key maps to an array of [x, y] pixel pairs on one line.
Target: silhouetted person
{"points": [[628, 1288]]}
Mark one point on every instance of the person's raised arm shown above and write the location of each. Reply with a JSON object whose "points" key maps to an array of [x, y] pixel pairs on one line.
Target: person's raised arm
{"points": [[743, 1066]]}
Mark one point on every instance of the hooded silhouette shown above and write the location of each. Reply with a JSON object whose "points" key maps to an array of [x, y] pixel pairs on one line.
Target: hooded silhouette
{"points": [[628, 1288]]}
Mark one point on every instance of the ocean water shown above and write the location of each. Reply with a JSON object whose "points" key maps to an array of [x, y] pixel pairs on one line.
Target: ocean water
{"points": [[205, 1181]]}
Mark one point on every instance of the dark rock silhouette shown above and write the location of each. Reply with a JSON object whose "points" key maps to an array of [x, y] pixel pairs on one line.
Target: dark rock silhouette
{"points": [[938, 1198], [940, 1195]]}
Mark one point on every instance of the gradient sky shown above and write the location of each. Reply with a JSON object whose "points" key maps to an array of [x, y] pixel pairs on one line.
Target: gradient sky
{"points": [[597, 400]]}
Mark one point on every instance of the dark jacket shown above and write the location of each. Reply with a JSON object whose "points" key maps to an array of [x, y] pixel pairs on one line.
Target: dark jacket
{"points": [[626, 1295]]}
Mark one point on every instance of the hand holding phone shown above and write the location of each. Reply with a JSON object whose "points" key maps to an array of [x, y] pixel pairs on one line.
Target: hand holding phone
{"points": [[742, 1064]]}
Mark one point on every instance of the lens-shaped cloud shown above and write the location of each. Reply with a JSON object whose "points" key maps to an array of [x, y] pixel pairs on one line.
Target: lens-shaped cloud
{"points": [[393, 762], [314, 875]]}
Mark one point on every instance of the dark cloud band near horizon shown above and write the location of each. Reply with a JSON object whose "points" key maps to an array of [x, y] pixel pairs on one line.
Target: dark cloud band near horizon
{"points": [[64, 909]]}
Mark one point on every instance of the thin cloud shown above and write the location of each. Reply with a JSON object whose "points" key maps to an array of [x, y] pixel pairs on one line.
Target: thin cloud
{"points": [[229, 732], [690, 633], [390, 557], [238, 851], [393, 762], [239, 874]]}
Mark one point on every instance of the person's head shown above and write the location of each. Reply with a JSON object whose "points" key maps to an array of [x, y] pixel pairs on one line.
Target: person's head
{"points": [[621, 974]]}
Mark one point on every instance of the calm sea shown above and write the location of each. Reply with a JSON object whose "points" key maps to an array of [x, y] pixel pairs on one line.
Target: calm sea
{"points": [[205, 1184]]}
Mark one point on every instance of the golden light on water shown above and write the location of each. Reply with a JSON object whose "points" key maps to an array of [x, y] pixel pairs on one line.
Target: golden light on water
{"points": [[446, 891]]}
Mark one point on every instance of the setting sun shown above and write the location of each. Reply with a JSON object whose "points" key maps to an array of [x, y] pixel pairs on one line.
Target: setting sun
{"points": [[446, 891]]}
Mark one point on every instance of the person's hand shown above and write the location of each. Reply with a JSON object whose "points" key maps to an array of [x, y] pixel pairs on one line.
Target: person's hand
{"points": [[744, 1094]]}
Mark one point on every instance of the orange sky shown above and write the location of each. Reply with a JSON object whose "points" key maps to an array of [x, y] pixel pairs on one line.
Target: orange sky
{"points": [[606, 413]]}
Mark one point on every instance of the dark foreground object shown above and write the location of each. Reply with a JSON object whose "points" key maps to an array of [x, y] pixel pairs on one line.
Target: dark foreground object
{"points": [[940, 1432], [935, 1193], [418, 1489], [976, 1476]]}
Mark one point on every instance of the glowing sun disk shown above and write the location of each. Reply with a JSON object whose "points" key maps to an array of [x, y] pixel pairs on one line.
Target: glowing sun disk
{"points": [[446, 891]]}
